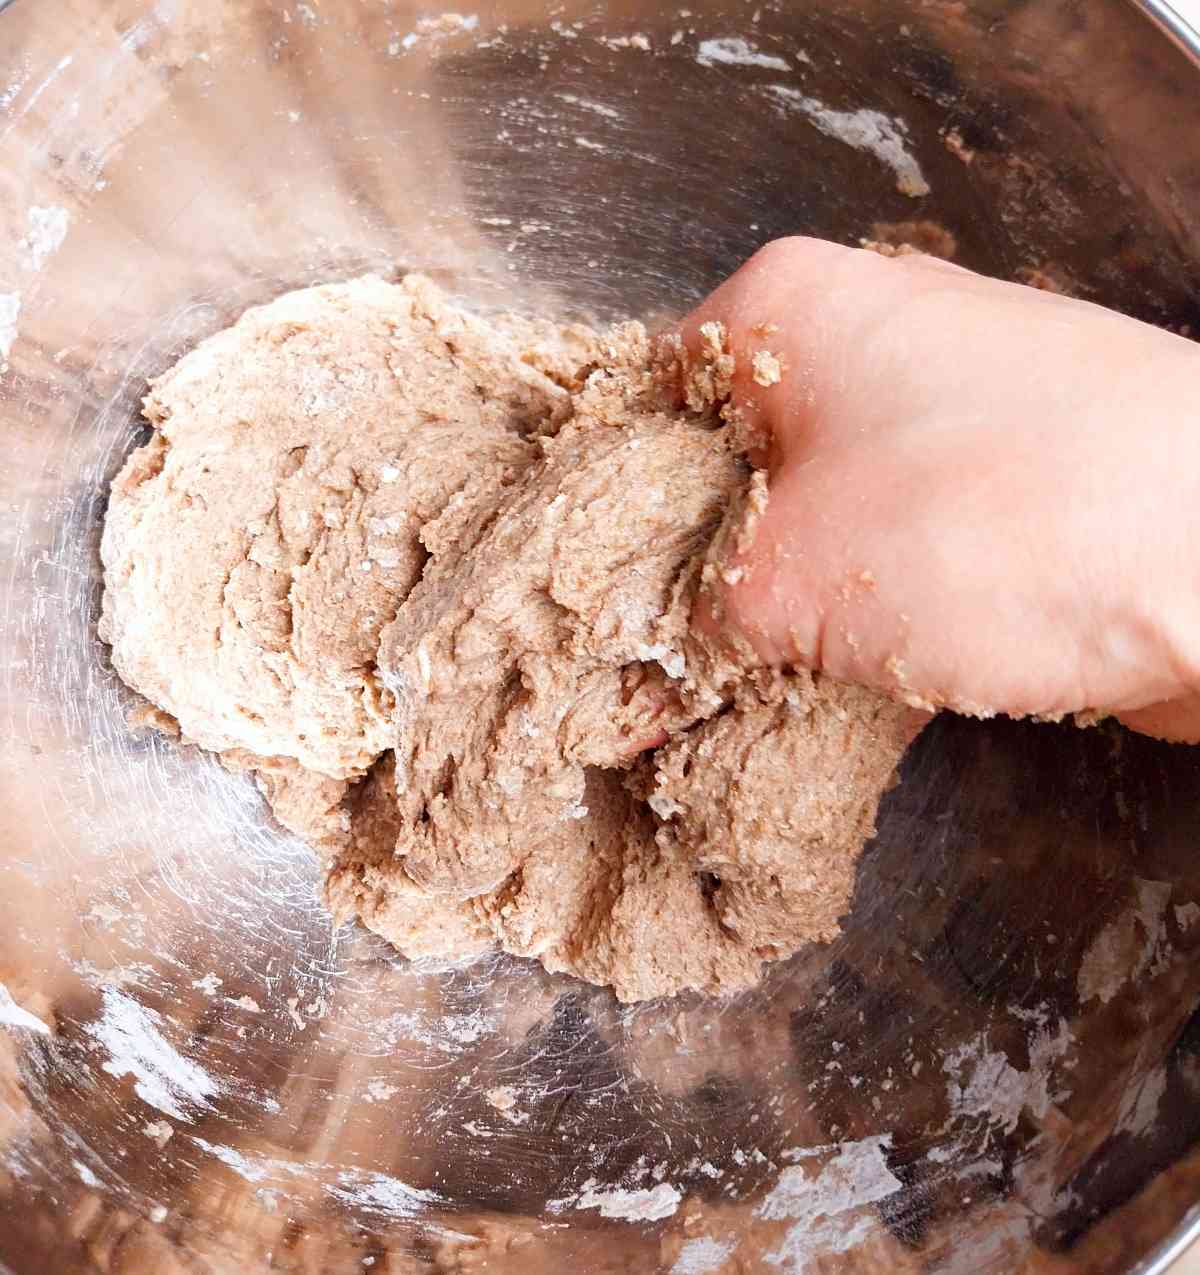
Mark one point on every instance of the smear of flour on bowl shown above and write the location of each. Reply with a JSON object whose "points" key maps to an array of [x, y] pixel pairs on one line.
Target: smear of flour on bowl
{"points": [[598, 108], [132, 975], [379, 1090], [159, 1131], [10, 94], [33, 98], [671, 491], [702, 1256], [636, 41], [438, 27], [1129, 946], [880, 135], [734, 51], [242, 1165], [1186, 915], [12, 1015], [105, 914], [642, 1205], [447, 1034], [1139, 1107], [828, 1207], [253, 1169], [963, 1160], [162, 1077], [982, 1081], [47, 230], [10, 308], [379, 1193]]}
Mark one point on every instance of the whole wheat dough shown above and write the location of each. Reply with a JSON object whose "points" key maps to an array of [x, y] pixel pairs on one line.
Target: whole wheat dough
{"points": [[430, 579]]}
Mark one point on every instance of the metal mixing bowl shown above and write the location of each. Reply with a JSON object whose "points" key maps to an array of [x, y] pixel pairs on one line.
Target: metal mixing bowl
{"points": [[996, 1067]]}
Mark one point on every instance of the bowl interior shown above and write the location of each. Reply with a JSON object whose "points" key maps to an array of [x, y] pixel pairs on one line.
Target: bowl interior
{"points": [[996, 1062]]}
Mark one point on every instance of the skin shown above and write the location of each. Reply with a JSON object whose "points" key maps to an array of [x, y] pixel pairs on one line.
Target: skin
{"points": [[982, 496]]}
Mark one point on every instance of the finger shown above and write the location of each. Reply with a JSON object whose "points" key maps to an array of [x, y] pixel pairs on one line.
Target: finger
{"points": [[796, 319], [852, 571]]}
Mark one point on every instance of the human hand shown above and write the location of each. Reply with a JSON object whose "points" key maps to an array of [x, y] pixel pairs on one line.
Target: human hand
{"points": [[982, 496]]}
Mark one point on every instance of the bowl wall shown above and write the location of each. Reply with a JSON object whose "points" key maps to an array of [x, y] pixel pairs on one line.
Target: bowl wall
{"points": [[996, 1065]]}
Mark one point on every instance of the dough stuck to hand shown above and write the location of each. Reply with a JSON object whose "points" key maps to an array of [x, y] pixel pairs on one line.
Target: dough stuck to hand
{"points": [[430, 578]]}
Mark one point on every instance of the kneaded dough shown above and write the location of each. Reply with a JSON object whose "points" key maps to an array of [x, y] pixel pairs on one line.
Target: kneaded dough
{"points": [[430, 579]]}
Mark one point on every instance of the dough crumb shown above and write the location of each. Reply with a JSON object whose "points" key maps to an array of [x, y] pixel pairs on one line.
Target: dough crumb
{"points": [[1048, 277], [954, 143], [905, 238], [148, 717], [159, 1131], [768, 370]]}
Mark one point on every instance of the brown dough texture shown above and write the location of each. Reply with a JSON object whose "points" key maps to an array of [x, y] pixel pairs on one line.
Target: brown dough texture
{"points": [[429, 577]]}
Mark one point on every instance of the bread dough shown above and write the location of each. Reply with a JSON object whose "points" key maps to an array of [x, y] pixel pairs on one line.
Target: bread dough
{"points": [[430, 578]]}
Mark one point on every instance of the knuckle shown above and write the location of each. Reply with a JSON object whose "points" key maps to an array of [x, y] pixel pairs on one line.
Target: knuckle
{"points": [[780, 253]]}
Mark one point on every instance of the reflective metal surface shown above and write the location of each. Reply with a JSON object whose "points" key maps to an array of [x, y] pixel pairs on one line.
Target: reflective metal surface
{"points": [[997, 1067], [1174, 20]]}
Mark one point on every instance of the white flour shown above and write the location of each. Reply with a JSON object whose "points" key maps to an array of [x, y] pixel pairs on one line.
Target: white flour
{"points": [[12, 1015], [872, 131], [702, 1256], [162, 1077], [47, 230], [828, 1206], [734, 51], [1129, 946], [10, 308], [638, 1205], [984, 1083], [379, 1193], [584, 103]]}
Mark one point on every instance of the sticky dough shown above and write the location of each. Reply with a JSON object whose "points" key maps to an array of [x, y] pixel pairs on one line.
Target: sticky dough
{"points": [[430, 579]]}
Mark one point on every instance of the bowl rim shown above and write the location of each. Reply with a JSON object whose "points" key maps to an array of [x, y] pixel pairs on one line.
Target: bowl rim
{"points": [[1180, 29]]}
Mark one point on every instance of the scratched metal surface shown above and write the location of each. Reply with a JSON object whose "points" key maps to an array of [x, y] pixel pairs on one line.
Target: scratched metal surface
{"points": [[997, 1067]]}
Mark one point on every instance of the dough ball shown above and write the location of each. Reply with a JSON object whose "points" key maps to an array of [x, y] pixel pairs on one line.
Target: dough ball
{"points": [[431, 578]]}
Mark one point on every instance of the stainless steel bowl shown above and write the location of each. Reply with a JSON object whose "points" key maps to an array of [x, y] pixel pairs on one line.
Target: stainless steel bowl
{"points": [[997, 1067]]}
